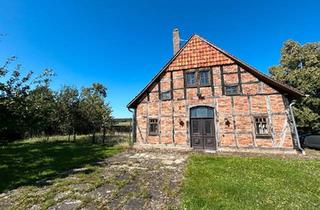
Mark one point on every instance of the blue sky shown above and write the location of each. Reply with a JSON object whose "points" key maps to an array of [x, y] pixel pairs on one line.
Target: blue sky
{"points": [[123, 44]]}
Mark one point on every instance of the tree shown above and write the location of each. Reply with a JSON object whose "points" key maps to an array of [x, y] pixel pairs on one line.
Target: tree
{"points": [[14, 92], [42, 111], [28, 106], [107, 120], [300, 67], [68, 110], [94, 108]]}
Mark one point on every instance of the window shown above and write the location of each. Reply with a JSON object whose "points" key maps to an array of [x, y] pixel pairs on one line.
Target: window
{"points": [[201, 112], [262, 126], [191, 78], [153, 126], [198, 78], [166, 95], [204, 77], [231, 89]]}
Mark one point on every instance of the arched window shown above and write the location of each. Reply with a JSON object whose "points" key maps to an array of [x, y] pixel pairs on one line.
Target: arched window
{"points": [[202, 112]]}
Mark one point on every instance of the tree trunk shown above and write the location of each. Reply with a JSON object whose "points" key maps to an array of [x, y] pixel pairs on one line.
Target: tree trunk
{"points": [[94, 136], [68, 136], [74, 131], [104, 134]]}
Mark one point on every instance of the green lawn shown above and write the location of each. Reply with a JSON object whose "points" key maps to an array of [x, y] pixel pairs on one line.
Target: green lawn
{"points": [[220, 182], [30, 161]]}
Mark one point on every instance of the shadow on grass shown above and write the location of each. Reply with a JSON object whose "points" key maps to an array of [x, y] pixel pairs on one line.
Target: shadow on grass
{"points": [[27, 163]]}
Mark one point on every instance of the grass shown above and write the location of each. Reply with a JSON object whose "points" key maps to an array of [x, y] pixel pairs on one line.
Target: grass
{"points": [[211, 181], [28, 162], [218, 182]]}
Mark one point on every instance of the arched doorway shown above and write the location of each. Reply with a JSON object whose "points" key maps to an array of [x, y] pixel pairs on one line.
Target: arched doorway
{"points": [[202, 127]]}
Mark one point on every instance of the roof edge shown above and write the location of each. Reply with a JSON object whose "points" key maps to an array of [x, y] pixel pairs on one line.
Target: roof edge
{"points": [[254, 71], [158, 74]]}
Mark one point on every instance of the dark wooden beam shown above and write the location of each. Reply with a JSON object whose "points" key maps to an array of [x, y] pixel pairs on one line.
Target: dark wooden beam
{"points": [[239, 79], [172, 107], [222, 80], [159, 89], [171, 84], [211, 81], [184, 85], [234, 122]]}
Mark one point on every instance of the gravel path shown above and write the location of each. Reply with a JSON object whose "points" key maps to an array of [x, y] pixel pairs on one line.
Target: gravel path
{"points": [[129, 180]]}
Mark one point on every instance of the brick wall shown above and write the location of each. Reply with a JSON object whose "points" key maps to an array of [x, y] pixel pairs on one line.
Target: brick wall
{"points": [[255, 99]]}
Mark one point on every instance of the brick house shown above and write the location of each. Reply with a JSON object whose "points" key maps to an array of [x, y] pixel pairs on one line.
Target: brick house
{"points": [[205, 98]]}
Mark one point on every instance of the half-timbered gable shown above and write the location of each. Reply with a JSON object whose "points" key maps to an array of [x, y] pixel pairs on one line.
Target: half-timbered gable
{"points": [[206, 98]]}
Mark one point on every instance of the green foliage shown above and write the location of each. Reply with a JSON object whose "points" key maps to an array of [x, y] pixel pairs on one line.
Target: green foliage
{"points": [[41, 111], [68, 109], [94, 109], [14, 93], [300, 67], [213, 182], [29, 107], [92, 104]]}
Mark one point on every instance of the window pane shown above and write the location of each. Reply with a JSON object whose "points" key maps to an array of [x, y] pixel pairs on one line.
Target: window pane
{"points": [[191, 78], [261, 126], [210, 113], [201, 112], [166, 95], [194, 112], [204, 77], [153, 126], [231, 89]]}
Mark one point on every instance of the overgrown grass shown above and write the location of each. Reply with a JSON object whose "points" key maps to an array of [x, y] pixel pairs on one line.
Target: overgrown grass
{"points": [[217, 182], [28, 162]]}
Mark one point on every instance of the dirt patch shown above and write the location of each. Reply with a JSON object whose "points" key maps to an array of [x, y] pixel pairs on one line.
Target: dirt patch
{"points": [[144, 180], [130, 180], [312, 154]]}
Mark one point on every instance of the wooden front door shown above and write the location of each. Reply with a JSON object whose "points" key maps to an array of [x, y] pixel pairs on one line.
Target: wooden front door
{"points": [[202, 128]]}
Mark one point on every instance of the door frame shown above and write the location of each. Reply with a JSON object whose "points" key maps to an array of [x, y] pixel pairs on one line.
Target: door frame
{"points": [[215, 129]]}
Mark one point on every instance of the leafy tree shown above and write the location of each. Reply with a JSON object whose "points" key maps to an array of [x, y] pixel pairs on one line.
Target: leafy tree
{"points": [[14, 92], [94, 108], [107, 120], [300, 67], [68, 110], [42, 111], [28, 106]]}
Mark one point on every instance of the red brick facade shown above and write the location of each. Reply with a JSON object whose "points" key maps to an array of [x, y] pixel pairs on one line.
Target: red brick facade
{"points": [[234, 115]]}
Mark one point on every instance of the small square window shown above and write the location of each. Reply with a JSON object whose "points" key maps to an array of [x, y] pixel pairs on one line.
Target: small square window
{"points": [[262, 126], [166, 95], [231, 89], [204, 77], [191, 78], [153, 127]]}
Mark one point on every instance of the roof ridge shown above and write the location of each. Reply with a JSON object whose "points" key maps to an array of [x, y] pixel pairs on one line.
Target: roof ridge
{"points": [[251, 69]]}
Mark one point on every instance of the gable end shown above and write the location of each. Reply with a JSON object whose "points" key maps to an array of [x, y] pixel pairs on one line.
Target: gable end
{"points": [[198, 52]]}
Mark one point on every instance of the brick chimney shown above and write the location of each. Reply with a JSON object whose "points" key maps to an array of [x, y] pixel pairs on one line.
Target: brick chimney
{"points": [[176, 41]]}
